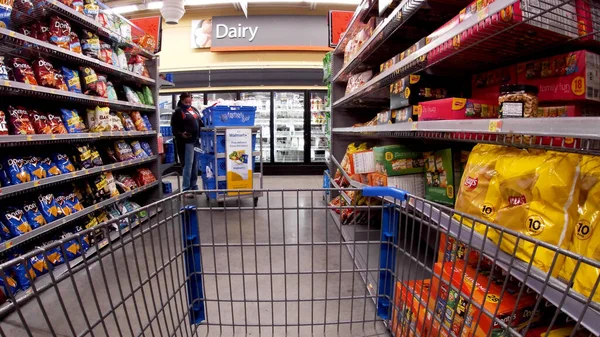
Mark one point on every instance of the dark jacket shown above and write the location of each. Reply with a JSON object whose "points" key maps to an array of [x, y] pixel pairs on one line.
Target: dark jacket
{"points": [[186, 120]]}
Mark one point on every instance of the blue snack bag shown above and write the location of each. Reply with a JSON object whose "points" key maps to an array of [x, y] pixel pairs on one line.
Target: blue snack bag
{"points": [[14, 219], [10, 286], [85, 240], [49, 208], [4, 180], [50, 167], [71, 78], [34, 166], [72, 121], [24, 275], [38, 265], [72, 246], [146, 147], [147, 122], [63, 162], [54, 255], [5, 232], [16, 170], [33, 215], [5, 10]]}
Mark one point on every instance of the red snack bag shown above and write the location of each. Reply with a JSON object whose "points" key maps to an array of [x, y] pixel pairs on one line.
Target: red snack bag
{"points": [[106, 53], [3, 126], [92, 85], [56, 123], [67, 2], [26, 31], [44, 73], [22, 9], [147, 42], [137, 65], [144, 176], [39, 122], [19, 121], [22, 71], [60, 32], [42, 31], [60, 81], [75, 44]]}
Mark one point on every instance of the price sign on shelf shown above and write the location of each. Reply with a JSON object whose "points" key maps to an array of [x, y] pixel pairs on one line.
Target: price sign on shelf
{"points": [[495, 126]]}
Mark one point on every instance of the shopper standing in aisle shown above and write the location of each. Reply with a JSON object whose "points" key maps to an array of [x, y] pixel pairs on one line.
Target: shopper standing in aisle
{"points": [[186, 124]]}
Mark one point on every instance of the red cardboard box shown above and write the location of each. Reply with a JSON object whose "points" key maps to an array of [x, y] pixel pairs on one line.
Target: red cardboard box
{"points": [[410, 311], [455, 311], [458, 108], [486, 86], [566, 77]]}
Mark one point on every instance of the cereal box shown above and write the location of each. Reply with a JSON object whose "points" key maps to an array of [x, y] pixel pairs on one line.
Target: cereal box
{"points": [[454, 305], [439, 176], [565, 77], [458, 108], [394, 160]]}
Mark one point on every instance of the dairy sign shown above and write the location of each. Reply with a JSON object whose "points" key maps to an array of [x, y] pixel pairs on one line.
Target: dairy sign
{"points": [[262, 32]]}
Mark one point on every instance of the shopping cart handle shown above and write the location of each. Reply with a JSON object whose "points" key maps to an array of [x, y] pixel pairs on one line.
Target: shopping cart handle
{"points": [[384, 192]]}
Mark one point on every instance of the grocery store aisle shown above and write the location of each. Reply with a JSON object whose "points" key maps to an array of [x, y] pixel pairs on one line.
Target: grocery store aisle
{"points": [[261, 267]]}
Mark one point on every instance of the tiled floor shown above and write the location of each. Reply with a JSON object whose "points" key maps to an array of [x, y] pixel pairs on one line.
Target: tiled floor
{"points": [[278, 270]]}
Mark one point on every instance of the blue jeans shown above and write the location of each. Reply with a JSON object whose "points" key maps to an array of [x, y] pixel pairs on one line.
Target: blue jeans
{"points": [[190, 168]]}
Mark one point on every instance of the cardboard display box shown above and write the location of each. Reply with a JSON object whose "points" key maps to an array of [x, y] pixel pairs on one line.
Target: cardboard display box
{"points": [[394, 160], [458, 108]]}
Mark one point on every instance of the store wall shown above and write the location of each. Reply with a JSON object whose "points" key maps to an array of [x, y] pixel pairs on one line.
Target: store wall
{"points": [[178, 55]]}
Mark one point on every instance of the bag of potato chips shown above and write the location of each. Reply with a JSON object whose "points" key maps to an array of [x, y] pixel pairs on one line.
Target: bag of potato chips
{"points": [[585, 239], [536, 196]]}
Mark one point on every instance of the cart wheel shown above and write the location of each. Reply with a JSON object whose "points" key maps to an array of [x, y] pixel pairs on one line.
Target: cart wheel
{"points": [[255, 202]]}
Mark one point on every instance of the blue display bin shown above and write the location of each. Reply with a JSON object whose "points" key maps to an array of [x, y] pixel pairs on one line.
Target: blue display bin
{"points": [[166, 131], [224, 115], [207, 142], [210, 184]]}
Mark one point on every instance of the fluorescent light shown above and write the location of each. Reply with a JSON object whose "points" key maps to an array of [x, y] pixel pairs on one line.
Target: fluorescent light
{"points": [[154, 5], [230, 2], [125, 9]]}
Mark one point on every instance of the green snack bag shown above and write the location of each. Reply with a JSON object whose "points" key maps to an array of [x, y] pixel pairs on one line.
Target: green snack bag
{"points": [[439, 176], [147, 95], [141, 97]]}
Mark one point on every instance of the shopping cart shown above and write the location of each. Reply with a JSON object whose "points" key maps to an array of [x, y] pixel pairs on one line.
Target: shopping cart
{"points": [[288, 267]]}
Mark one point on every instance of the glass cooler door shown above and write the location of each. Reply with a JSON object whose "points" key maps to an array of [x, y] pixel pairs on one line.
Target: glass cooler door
{"points": [[214, 97], [288, 127], [262, 102], [319, 141]]}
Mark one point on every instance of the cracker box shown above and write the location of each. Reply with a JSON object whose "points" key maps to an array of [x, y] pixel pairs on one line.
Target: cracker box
{"points": [[362, 162], [407, 114], [439, 176], [454, 305], [389, 63], [486, 86], [410, 308], [413, 89], [386, 117], [457, 108], [565, 77], [394, 160]]}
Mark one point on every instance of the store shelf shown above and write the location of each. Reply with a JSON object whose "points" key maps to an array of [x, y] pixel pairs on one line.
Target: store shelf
{"points": [[365, 10], [36, 91], [166, 166], [61, 222], [508, 42], [409, 22], [164, 83], [89, 23], [13, 140], [12, 43], [25, 187]]}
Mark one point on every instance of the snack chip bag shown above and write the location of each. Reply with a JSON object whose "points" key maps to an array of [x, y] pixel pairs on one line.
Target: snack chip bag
{"points": [[123, 151], [44, 73], [34, 166], [91, 119], [83, 156], [15, 220], [147, 122], [9, 285], [536, 194], [147, 95], [90, 44], [105, 53], [4, 180], [138, 121], [91, 8], [146, 147], [49, 208], [92, 84], [140, 95], [38, 264], [16, 169], [132, 97], [54, 254], [72, 246], [22, 71], [33, 215], [24, 275], [126, 182], [62, 161], [100, 188], [102, 119], [41, 31], [73, 122], [60, 32], [110, 92], [144, 176], [586, 237], [137, 65], [122, 58], [3, 125], [4, 232], [19, 121], [60, 81], [3, 69], [60, 202], [49, 166], [74, 43], [56, 123], [73, 203], [72, 80], [115, 122], [138, 152], [84, 240], [112, 186], [126, 121], [39, 121]]}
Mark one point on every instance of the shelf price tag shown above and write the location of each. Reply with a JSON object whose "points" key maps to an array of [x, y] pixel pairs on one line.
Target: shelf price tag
{"points": [[36, 183], [33, 87], [6, 83], [495, 126], [11, 34], [29, 138], [413, 127], [8, 244]]}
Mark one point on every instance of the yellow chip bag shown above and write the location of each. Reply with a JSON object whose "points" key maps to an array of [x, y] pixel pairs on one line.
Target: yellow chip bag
{"points": [[586, 239], [537, 196]]}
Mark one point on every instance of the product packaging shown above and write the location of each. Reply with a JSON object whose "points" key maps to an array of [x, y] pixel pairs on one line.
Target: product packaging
{"points": [[22, 71], [71, 78], [49, 208], [486, 86], [407, 114], [73, 121], [16, 221], [411, 300], [34, 167], [457, 108], [394, 160], [39, 122], [60, 32], [358, 80], [361, 162], [56, 123], [74, 43], [439, 176], [413, 89]]}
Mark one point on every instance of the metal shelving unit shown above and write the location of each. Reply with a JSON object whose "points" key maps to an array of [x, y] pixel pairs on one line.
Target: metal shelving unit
{"points": [[510, 39]]}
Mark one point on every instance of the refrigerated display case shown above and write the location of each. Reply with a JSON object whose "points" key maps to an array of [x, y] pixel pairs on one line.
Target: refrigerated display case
{"points": [[212, 98], [262, 101], [319, 141], [198, 101], [288, 127]]}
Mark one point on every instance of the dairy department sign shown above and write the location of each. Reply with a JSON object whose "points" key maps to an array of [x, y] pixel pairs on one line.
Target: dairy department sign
{"points": [[263, 32]]}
